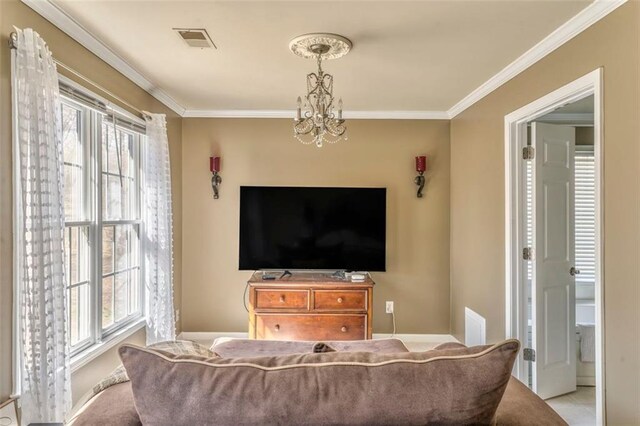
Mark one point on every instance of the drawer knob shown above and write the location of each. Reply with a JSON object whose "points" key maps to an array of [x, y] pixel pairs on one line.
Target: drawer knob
{"points": [[339, 299], [277, 327], [344, 329], [282, 299]]}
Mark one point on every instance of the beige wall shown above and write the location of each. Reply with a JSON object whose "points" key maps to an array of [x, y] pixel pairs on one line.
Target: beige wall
{"points": [[86, 377], [13, 12], [264, 152], [477, 195]]}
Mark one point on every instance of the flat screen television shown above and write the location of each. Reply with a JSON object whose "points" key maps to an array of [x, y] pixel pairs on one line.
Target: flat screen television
{"points": [[312, 228]]}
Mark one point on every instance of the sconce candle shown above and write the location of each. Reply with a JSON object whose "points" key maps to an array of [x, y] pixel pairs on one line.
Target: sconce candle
{"points": [[216, 180], [214, 164]]}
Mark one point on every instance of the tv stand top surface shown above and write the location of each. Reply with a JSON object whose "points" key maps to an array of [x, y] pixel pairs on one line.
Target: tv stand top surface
{"points": [[301, 277]]}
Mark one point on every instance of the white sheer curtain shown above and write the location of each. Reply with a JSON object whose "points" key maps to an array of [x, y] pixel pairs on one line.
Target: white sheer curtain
{"points": [[45, 371], [158, 233]]}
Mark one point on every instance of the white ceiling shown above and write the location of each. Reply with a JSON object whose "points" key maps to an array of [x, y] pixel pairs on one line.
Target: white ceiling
{"points": [[407, 56]]}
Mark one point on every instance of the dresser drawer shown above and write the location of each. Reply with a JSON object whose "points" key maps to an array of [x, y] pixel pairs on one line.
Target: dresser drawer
{"points": [[340, 300], [311, 327], [282, 299]]}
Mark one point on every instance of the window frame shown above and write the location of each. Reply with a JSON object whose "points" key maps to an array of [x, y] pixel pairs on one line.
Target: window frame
{"points": [[92, 120]]}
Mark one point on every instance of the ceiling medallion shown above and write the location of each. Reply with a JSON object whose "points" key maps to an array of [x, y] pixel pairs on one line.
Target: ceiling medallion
{"points": [[318, 123]]}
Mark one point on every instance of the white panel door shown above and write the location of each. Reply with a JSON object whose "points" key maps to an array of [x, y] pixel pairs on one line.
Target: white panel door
{"points": [[553, 292]]}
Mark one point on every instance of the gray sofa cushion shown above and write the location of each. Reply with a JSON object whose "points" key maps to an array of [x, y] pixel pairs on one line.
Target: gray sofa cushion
{"points": [[237, 348], [453, 385]]}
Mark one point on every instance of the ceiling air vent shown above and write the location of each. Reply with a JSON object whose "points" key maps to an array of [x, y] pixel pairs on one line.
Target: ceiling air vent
{"points": [[196, 37]]}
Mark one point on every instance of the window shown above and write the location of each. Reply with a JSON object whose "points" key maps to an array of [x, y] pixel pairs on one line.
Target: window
{"points": [[120, 226], [77, 222], [102, 159]]}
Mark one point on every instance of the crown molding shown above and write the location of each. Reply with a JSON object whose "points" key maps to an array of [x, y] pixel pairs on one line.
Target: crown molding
{"points": [[239, 113], [52, 13], [574, 26], [397, 115], [352, 115]]}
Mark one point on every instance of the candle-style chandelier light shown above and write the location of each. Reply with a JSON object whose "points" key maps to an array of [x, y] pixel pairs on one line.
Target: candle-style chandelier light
{"points": [[318, 120]]}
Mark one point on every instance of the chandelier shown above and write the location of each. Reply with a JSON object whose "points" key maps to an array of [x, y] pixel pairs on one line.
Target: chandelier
{"points": [[318, 119]]}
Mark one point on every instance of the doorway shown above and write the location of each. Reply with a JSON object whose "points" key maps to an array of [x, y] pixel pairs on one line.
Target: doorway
{"points": [[553, 246]]}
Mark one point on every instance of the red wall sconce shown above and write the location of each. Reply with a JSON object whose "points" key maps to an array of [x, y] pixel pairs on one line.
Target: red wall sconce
{"points": [[216, 180], [421, 167]]}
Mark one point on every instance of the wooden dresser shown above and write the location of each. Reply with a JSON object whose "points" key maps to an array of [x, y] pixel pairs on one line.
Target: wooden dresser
{"points": [[309, 306]]}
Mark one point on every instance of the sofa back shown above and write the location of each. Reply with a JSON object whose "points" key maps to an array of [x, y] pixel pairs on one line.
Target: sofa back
{"points": [[451, 385]]}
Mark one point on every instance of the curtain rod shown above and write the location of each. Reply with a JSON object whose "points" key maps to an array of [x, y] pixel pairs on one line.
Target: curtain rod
{"points": [[13, 44]]}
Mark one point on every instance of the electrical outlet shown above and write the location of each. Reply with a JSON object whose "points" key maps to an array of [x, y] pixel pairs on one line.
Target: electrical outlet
{"points": [[177, 315], [389, 306]]}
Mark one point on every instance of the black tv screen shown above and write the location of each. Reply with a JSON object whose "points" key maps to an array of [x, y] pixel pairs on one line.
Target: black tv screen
{"points": [[312, 228]]}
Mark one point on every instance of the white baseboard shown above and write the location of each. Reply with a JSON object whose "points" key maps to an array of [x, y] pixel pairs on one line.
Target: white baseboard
{"points": [[586, 380], [211, 335], [418, 338]]}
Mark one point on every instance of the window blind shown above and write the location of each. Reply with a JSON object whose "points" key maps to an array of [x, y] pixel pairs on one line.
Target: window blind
{"points": [[529, 211], [585, 225], [82, 97], [72, 91], [126, 123]]}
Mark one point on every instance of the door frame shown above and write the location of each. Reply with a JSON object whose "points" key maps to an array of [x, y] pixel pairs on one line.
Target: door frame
{"points": [[515, 126]]}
